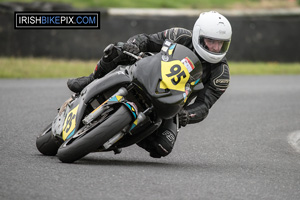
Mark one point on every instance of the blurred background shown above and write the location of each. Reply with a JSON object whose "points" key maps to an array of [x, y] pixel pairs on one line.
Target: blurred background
{"points": [[263, 30]]}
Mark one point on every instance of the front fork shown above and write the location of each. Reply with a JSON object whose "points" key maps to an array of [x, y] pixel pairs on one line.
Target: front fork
{"points": [[118, 97], [177, 122]]}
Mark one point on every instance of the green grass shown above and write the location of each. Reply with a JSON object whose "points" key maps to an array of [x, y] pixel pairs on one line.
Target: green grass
{"points": [[58, 68], [195, 4], [44, 68], [263, 68], [187, 4]]}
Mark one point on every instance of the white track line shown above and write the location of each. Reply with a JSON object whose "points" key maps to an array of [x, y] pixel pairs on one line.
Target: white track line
{"points": [[294, 140]]}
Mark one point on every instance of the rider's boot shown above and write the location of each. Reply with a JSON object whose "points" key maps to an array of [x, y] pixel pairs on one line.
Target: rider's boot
{"points": [[106, 64], [161, 142], [77, 84]]}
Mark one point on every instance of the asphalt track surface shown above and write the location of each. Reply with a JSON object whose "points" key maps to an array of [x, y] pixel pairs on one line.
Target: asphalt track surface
{"points": [[243, 150]]}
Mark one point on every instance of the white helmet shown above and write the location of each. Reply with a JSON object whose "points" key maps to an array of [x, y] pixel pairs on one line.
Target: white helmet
{"points": [[214, 26]]}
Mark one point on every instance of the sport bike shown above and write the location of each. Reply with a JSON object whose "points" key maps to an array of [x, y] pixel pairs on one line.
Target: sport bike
{"points": [[125, 106]]}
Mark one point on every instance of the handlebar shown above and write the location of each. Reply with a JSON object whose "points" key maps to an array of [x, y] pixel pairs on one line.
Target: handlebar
{"points": [[139, 57]]}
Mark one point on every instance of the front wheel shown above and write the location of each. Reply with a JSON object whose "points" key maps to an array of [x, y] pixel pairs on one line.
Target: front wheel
{"points": [[46, 143], [74, 149]]}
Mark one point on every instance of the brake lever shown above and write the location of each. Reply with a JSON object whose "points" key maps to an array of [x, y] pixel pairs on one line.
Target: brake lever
{"points": [[128, 53], [132, 55]]}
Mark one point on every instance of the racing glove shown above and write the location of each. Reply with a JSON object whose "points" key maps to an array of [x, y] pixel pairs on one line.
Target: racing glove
{"points": [[131, 48], [111, 54], [184, 118]]}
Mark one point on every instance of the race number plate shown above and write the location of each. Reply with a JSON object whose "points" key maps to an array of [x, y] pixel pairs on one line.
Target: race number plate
{"points": [[174, 74], [69, 124]]}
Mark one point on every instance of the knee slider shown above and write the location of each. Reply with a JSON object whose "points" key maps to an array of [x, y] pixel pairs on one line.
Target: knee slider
{"points": [[164, 143]]}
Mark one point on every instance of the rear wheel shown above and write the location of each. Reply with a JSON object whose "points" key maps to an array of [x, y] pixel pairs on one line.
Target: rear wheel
{"points": [[46, 143], [74, 149]]}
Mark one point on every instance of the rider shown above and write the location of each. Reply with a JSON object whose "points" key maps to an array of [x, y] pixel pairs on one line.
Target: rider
{"points": [[210, 40]]}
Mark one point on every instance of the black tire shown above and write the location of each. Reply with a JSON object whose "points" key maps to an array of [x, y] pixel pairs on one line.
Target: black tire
{"points": [[46, 143], [91, 141]]}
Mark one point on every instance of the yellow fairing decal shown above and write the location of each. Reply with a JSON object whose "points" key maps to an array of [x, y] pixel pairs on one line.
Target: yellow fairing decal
{"points": [[70, 122], [174, 75]]}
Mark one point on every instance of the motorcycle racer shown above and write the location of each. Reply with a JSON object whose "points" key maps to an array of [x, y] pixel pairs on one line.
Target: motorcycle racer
{"points": [[210, 40]]}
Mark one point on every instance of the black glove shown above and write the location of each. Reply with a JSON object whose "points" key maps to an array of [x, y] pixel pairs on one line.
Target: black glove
{"points": [[184, 118], [111, 53], [114, 52], [131, 48]]}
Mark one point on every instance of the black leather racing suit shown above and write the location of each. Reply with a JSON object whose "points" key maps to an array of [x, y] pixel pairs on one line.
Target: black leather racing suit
{"points": [[215, 78]]}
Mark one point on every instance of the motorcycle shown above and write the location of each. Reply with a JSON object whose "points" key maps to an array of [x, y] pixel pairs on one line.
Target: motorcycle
{"points": [[125, 106]]}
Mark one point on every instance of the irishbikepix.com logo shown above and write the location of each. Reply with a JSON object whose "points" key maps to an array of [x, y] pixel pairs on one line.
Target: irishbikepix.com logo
{"points": [[57, 20]]}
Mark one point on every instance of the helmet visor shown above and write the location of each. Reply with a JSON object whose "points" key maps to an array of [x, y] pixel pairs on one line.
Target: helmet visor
{"points": [[214, 46]]}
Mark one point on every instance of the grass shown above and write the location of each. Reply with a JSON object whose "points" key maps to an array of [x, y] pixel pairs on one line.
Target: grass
{"points": [[142, 4], [263, 68], [193, 4], [44, 68], [57, 68]]}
